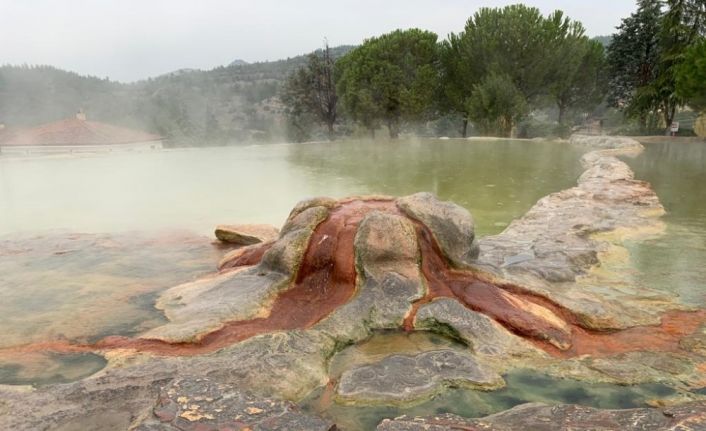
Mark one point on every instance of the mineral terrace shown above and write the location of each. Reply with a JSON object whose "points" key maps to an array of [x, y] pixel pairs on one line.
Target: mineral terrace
{"points": [[244, 345]]}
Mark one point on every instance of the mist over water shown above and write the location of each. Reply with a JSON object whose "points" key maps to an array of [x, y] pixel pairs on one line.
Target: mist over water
{"points": [[88, 242], [196, 189], [674, 261], [131, 201]]}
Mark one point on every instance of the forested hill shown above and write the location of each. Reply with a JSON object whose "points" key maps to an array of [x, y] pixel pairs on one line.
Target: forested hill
{"points": [[238, 101], [604, 40]]}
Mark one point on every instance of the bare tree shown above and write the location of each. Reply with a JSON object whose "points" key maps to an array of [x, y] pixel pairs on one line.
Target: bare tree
{"points": [[311, 92], [323, 94]]}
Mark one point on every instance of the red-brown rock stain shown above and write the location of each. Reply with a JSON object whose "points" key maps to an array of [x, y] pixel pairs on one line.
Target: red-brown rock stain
{"points": [[249, 257], [327, 279], [664, 337], [476, 292]]}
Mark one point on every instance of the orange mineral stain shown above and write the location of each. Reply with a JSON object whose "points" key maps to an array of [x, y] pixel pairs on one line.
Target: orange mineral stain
{"points": [[250, 256], [326, 280]]}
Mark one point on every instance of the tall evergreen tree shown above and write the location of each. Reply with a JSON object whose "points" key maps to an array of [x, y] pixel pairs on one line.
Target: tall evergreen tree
{"points": [[496, 104], [390, 79], [456, 85], [633, 59], [540, 56], [646, 53], [580, 77], [691, 76], [682, 25]]}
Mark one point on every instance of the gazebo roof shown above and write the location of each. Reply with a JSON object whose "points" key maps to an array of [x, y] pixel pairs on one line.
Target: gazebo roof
{"points": [[75, 131]]}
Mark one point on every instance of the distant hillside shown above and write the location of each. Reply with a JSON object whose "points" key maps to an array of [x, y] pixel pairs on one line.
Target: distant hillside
{"points": [[605, 40], [278, 69], [34, 94], [233, 102]]}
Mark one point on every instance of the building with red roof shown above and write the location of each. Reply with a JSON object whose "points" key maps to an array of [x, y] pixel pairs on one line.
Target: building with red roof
{"points": [[76, 135]]}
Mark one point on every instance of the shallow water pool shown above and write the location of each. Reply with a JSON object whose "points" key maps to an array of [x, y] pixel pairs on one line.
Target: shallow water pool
{"points": [[88, 242]]}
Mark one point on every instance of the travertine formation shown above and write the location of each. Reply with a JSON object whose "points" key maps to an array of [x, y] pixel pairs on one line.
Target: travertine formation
{"points": [[186, 405], [540, 417], [265, 328], [396, 377]]}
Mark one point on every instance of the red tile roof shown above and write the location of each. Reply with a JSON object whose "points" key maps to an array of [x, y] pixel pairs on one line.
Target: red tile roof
{"points": [[74, 131]]}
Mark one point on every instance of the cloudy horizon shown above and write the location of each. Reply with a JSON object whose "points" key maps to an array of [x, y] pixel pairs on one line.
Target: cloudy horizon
{"points": [[131, 40]]}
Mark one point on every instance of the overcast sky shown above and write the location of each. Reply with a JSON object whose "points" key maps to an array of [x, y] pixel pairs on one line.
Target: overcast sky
{"points": [[127, 40]]}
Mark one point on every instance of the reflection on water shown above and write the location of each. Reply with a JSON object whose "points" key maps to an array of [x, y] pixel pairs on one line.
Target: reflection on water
{"points": [[383, 343], [47, 368], [522, 386], [675, 261], [85, 286], [199, 188], [497, 181]]}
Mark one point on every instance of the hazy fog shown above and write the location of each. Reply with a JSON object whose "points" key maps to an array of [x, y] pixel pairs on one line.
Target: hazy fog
{"points": [[129, 39]]}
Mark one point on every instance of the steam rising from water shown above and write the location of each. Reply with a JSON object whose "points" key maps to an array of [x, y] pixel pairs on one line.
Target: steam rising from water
{"points": [[199, 188]]}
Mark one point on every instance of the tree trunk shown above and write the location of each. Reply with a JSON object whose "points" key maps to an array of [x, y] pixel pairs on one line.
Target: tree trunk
{"points": [[506, 127], [394, 128], [562, 113], [511, 129], [331, 134], [669, 112], [464, 130], [643, 122]]}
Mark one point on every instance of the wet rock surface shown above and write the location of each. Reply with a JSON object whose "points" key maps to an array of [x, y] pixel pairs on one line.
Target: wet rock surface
{"points": [[265, 328], [272, 367], [197, 308], [696, 342], [553, 249], [452, 226], [201, 307], [388, 282], [244, 256], [246, 234], [540, 417], [402, 378], [201, 403], [483, 335]]}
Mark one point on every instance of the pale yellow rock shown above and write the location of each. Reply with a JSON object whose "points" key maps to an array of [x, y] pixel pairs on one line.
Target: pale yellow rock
{"points": [[537, 310], [246, 234], [190, 416], [700, 126]]}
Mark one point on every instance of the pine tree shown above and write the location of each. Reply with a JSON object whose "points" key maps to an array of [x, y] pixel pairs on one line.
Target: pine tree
{"points": [[633, 57], [646, 54]]}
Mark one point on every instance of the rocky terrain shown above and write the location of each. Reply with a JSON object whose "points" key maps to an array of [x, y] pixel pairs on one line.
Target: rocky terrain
{"points": [[539, 417], [242, 346]]}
